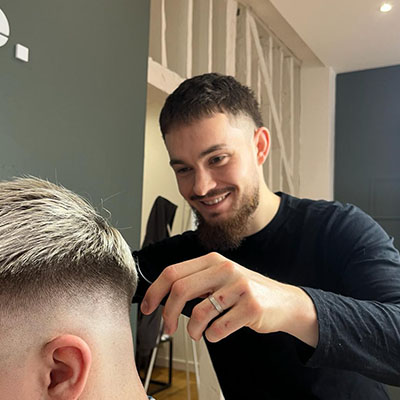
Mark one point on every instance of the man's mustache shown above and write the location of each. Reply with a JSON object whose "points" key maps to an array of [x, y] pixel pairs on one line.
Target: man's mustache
{"points": [[213, 193]]}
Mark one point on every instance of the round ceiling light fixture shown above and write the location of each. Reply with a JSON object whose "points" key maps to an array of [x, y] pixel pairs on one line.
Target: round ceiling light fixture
{"points": [[4, 29], [386, 7]]}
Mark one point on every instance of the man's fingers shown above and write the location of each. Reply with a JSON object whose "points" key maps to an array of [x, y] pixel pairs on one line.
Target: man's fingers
{"points": [[202, 314], [228, 323], [188, 288], [159, 289], [162, 286], [233, 295], [205, 312]]}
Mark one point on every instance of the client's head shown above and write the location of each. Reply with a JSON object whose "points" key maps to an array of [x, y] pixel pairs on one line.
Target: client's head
{"points": [[66, 282]]}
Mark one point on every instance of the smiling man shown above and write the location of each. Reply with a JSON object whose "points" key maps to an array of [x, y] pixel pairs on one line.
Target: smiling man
{"points": [[220, 182], [298, 299]]}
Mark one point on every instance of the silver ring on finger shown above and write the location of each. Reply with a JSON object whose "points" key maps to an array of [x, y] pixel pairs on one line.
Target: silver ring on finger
{"points": [[215, 303]]}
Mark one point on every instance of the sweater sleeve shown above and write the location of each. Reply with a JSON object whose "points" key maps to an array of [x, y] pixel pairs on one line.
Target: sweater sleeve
{"points": [[359, 324]]}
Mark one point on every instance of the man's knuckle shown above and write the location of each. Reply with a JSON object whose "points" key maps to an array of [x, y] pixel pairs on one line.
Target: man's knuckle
{"points": [[218, 328], [178, 289], [243, 286], [227, 267], [170, 273], [199, 314], [215, 257], [253, 308]]}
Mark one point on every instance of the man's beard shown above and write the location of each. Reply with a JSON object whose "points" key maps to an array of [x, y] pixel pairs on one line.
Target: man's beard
{"points": [[227, 234]]}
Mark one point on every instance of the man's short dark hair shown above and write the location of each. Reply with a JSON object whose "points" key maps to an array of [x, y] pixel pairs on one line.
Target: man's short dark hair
{"points": [[207, 94]]}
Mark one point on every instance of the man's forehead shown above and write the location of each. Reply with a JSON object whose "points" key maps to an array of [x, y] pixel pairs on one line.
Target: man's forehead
{"points": [[234, 120], [217, 132], [215, 125]]}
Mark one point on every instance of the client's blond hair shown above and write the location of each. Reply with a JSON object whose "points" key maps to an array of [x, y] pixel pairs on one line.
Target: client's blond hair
{"points": [[53, 244]]}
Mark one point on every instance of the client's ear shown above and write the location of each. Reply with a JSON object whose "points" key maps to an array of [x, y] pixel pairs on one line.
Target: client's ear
{"points": [[69, 361]]}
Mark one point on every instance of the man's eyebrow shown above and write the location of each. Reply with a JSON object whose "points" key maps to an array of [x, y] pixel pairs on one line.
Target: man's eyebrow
{"points": [[204, 153], [212, 149]]}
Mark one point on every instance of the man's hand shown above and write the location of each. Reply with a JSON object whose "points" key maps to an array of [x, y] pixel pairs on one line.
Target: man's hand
{"points": [[250, 299]]}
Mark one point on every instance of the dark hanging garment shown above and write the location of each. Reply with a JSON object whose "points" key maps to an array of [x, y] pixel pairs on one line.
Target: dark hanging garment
{"points": [[161, 216], [148, 326]]}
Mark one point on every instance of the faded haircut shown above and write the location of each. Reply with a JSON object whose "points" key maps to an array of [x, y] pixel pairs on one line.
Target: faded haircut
{"points": [[53, 245], [207, 94]]}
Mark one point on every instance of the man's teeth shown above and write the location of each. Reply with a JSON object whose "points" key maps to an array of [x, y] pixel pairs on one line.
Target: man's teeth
{"points": [[215, 201]]}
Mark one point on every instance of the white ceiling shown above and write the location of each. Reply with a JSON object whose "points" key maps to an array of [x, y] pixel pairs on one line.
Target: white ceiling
{"points": [[348, 35]]}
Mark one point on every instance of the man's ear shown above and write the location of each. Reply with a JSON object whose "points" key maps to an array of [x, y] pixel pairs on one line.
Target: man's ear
{"points": [[69, 360], [262, 141]]}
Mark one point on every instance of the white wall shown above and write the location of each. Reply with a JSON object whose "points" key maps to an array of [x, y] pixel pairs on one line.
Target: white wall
{"points": [[317, 132], [158, 177]]}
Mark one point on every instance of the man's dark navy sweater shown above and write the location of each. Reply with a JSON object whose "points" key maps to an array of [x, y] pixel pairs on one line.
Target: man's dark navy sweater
{"points": [[348, 266]]}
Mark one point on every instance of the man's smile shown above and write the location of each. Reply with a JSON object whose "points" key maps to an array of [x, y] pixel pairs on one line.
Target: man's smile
{"points": [[215, 201]]}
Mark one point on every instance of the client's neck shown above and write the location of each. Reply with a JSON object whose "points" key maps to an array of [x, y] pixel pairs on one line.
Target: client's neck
{"points": [[114, 374]]}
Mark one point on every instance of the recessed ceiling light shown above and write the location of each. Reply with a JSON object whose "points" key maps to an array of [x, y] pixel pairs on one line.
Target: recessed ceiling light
{"points": [[386, 7]]}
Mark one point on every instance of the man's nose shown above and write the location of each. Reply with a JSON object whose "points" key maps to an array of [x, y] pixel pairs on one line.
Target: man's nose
{"points": [[203, 183]]}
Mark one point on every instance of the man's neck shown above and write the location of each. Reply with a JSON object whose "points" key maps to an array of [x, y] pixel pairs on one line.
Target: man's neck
{"points": [[266, 211]]}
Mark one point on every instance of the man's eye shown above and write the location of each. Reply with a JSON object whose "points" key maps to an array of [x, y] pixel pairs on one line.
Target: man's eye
{"points": [[182, 170], [216, 160]]}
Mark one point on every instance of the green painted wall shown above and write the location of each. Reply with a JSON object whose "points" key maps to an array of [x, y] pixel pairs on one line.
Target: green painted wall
{"points": [[75, 113], [367, 144]]}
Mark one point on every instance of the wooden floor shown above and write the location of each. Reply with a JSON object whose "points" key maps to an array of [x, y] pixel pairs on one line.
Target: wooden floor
{"points": [[178, 390]]}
